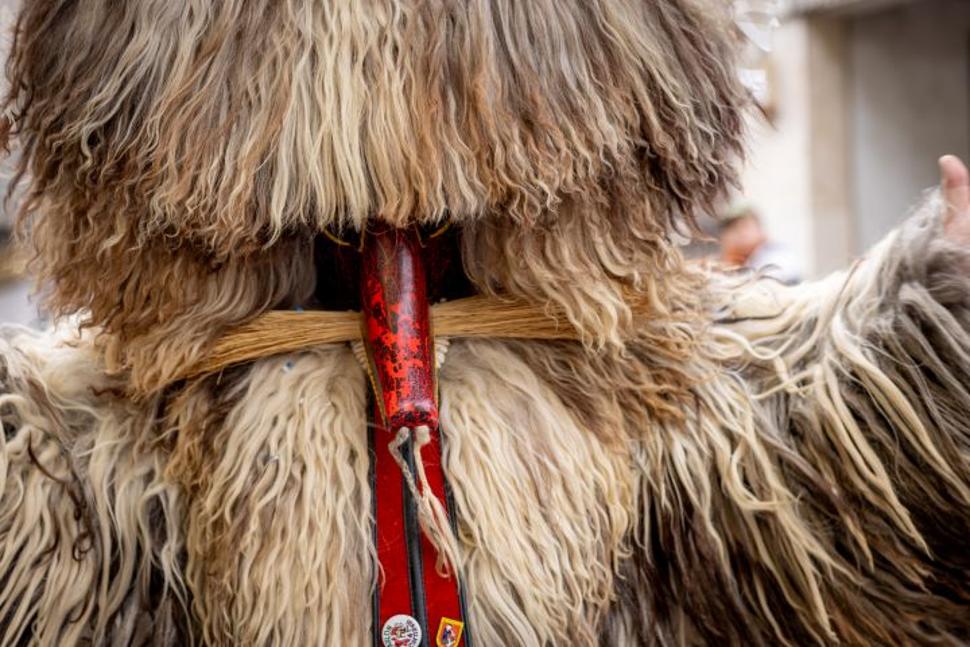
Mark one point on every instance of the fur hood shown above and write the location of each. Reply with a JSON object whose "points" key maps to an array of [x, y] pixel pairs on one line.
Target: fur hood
{"points": [[179, 158]]}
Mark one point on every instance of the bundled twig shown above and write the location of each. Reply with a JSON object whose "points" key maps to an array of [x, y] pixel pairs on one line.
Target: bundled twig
{"points": [[287, 331]]}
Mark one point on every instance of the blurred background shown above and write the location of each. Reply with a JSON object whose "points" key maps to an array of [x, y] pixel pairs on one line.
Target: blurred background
{"points": [[15, 306], [858, 99]]}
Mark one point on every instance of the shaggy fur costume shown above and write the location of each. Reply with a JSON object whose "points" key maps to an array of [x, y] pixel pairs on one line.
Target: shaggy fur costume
{"points": [[758, 464]]}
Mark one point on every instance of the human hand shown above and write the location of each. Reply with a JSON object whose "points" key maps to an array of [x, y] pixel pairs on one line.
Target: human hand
{"points": [[955, 187]]}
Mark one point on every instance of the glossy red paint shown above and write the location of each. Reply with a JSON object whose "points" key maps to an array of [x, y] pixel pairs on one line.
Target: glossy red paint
{"points": [[397, 327]]}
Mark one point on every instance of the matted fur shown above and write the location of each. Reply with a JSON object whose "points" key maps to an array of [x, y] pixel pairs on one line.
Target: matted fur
{"points": [[812, 489], [90, 533], [518, 460], [177, 154], [755, 465], [868, 378], [278, 527], [231, 122]]}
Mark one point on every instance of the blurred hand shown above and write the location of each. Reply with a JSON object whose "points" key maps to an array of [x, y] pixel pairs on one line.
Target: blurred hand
{"points": [[955, 185]]}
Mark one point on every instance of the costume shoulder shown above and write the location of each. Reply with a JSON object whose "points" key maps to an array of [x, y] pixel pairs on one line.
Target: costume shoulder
{"points": [[863, 380], [70, 570]]}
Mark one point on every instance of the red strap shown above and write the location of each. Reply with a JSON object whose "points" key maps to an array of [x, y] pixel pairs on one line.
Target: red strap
{"points": [[392, 552], [397, 333], [441, 592]]}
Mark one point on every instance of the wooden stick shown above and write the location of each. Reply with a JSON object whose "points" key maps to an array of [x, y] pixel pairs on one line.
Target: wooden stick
{"points": [[287, 331]]}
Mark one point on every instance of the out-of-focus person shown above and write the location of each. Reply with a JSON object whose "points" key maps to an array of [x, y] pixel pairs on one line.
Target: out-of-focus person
{"points": [[744, 243]]}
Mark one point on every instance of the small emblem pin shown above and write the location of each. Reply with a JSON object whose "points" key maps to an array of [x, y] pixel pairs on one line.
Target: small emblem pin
{"points": [[401, 631], [449, 633]]}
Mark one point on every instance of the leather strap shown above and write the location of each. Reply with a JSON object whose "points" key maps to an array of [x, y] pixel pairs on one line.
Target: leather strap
{"points": [[400, 348]]}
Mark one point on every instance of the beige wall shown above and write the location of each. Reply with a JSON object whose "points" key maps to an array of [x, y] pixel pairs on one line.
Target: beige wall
{"points": [[910, 103], [867, 100]]}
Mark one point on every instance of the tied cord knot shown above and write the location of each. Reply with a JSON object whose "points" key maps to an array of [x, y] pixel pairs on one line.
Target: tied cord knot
{"points": [[432, 515]]}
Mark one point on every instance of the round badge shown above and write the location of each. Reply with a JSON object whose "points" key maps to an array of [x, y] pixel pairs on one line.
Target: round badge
{"points": [[401, 631]]}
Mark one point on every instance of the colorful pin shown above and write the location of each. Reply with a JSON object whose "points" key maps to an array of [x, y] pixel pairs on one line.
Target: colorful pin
{"points": [[401, 631], [449, 633]]}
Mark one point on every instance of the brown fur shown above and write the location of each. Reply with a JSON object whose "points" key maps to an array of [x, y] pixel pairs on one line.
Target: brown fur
{"points": [[177, 154], [753, 465]]}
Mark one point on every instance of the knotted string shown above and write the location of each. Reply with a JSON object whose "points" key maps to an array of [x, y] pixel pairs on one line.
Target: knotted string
{"points": [[432, 515]]}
